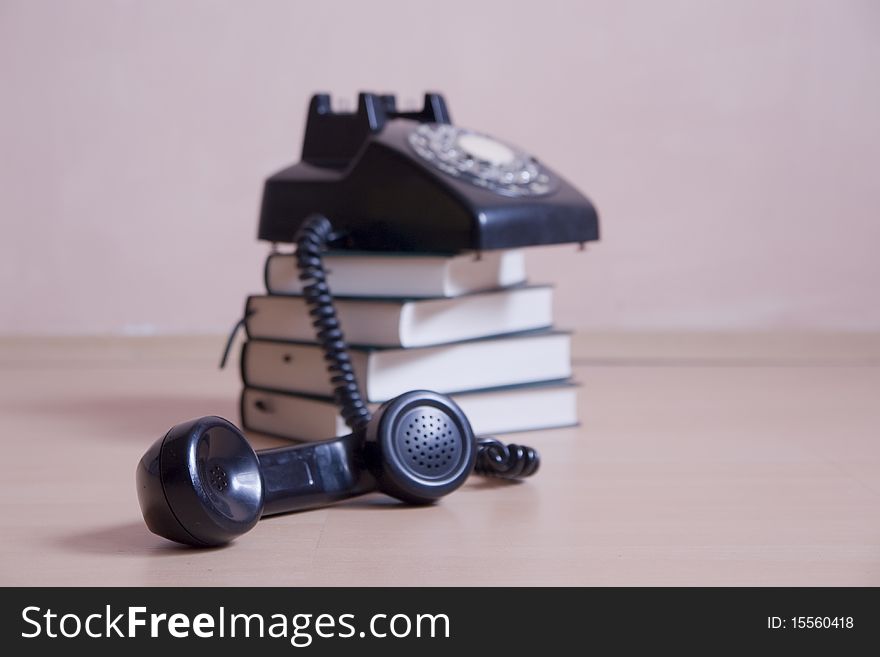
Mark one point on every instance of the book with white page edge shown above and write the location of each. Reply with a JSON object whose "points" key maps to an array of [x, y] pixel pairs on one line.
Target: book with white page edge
{"points": [[402, 275], [384, 373], [530, 407], [407, 322]]}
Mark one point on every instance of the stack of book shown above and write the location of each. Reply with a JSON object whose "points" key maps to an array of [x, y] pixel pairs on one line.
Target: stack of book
{"points": [[467, 326]]}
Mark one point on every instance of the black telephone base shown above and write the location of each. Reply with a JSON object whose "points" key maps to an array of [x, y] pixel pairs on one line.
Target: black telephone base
{"points": [[362, 171]]}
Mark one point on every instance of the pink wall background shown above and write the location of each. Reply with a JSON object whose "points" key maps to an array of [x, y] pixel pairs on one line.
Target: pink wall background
{"points": [[733, 149]]}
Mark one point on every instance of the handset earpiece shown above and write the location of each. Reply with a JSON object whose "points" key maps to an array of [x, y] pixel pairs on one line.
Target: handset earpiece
{"points": [[202, 484]]}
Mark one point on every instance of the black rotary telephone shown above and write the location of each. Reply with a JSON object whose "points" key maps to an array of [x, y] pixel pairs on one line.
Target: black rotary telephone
{"points": [[390, 181]]}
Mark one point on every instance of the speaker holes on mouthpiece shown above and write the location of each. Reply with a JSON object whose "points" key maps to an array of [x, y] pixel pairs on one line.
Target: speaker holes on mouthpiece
{"points": [[425, 442]]}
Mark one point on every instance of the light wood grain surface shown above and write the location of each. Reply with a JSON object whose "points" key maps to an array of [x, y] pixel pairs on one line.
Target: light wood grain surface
{"points": [[702, 459]]}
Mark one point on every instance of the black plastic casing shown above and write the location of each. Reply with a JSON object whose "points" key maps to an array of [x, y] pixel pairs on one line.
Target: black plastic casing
{"points": [[407, 433], [360, 171]]}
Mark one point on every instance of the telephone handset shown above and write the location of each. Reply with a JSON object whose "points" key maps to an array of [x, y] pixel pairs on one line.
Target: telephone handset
{"points": [[203, 484], [398, 181]]}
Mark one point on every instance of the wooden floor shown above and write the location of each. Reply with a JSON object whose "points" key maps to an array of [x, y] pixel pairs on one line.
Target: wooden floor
{"points": [[702, 460]]}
